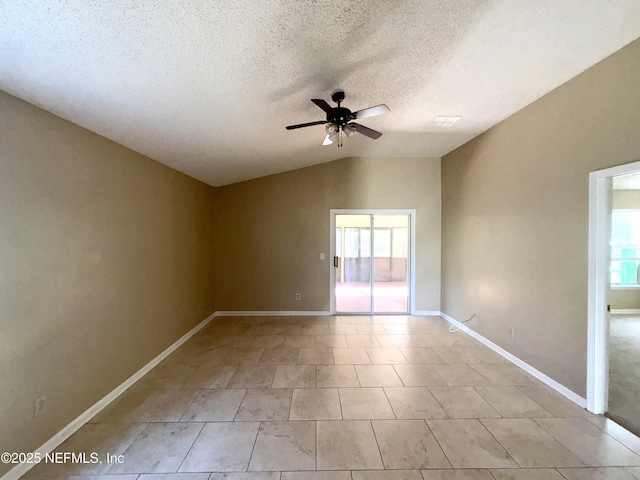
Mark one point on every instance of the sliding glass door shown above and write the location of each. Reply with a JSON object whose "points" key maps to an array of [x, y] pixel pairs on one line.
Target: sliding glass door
{"points": [[371, 271]]}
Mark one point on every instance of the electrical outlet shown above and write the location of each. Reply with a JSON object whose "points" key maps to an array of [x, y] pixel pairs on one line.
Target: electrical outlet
{"points": [[297, 296], [322, 256], [38, 406], [512, 332]]}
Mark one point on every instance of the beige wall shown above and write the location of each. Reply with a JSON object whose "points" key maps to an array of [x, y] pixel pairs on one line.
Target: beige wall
{"points": [[105, 260], [276, 227], [515, 215], [625, 298]]}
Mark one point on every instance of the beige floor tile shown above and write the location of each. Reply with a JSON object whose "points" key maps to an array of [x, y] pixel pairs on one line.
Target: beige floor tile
{"points": [[315, 404], [463, 402], [388, 341], [222, 447], [265, 404], [315, 356], [353, 320], [245, 476], [133, 476], [101, 438], [243, 356], [510, 402], [588, 442], [332, 475], [268, 341], [285, 446], [259, 376], [241, 342], [634, 471], [468, 444], [414, 403], [211, 376], [336, 376], [395, 329], [351, 356], [419, 376], [147, 405], [343, 330], [377, 376], [386, 356], [279, 356], [553, 402], [424, 340], [527, 474], [287, 330], [356, 341], [167, 376], [457, 339], [459, 374], [169, 476], [503, 374], [214, 356], [408, 444], [387, 475], [214, 405], [456, 355], [529, 444], [160, 448], [371, 330], [595, 474], [466, 474], [295, 376], [621, 434], [333, 341], [364, 403], [486, 355], [259, 330], [300, 341], [421, 355], [315, 330], [347, 445]]}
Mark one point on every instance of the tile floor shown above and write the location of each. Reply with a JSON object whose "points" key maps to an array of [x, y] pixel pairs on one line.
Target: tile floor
{"points": [[624, 374], [344, 398]]}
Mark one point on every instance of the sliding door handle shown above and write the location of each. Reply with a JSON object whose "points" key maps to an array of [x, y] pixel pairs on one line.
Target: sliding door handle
{"points": [[335, 262]]}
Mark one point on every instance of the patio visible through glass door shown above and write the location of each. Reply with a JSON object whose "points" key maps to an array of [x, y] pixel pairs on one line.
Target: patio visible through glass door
{"points": [[367, 283]]}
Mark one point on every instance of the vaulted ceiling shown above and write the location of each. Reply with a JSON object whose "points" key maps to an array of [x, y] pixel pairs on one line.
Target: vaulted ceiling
{"points": [[207, 87]]}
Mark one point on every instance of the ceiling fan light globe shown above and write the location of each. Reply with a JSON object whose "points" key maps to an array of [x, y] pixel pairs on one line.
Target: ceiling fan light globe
{"points": [[349, 130]]}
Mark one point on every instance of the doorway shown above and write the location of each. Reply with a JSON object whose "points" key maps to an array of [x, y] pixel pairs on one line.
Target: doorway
{"points": [[614, 294], [372, 267]]}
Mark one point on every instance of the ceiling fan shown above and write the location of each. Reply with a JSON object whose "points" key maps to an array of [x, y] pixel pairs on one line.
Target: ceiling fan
{"points": [[340, 120]]}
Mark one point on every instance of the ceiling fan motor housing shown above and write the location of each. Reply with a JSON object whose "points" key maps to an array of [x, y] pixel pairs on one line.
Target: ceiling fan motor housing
{"points": [[340, 115]]}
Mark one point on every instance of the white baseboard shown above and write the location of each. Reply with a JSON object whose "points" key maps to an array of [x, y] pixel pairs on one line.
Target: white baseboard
{"points": [[51, 444], [275, 313], [426, 313], [574, 397]]}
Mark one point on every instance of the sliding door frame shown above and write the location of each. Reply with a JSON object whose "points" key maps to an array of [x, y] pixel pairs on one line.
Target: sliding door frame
{"points": [[412, 250]]}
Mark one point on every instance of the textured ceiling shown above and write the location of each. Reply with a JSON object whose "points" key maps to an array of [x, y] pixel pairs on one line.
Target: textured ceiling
{"points": [[207, 87]]}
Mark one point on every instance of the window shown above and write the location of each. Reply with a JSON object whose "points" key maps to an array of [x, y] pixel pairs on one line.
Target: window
{"points": [[625, 247], [382, 242]]}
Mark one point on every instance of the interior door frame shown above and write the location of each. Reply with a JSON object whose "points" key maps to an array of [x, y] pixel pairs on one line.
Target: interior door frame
{"points": [[412, 250], [600, 205]]}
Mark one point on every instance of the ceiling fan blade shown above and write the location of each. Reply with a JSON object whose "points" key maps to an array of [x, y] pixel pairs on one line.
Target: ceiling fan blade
{"points": [[323, 105], [371, 111], [310, 124], [327, 141], [366, 131]]}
